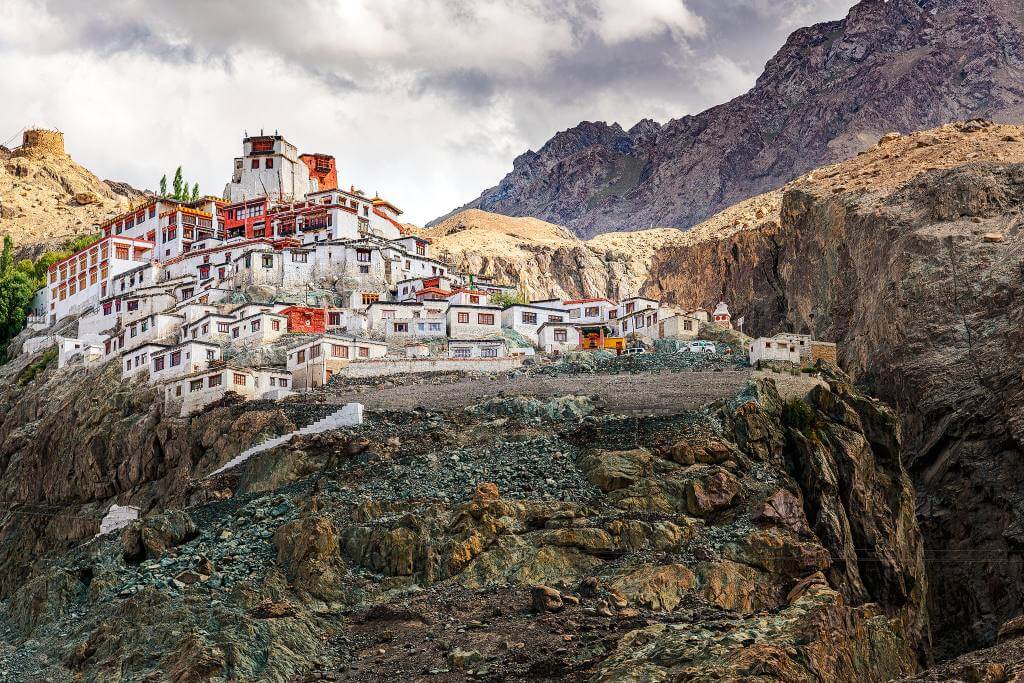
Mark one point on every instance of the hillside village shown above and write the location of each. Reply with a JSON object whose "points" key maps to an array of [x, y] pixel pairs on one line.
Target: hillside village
{"points": [[289, 280]]}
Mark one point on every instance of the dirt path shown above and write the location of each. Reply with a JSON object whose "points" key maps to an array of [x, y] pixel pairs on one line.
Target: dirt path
{"points": [[662, 393]]}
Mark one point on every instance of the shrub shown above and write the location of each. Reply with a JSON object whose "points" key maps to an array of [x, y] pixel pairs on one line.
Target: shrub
{"points": [[796, 413]]}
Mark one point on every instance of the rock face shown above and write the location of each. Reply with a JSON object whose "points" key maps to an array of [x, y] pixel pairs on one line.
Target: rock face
{"points": [[546, 260], [753, 537], [830, 92], [887, 255]]}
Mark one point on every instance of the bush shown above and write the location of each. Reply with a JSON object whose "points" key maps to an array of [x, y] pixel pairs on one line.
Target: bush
{"points": [[796, 413], [29, 373]]}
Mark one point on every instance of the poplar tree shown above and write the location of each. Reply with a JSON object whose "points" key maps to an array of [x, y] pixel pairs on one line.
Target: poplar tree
{"points": [[178, 184], [163, 185]]}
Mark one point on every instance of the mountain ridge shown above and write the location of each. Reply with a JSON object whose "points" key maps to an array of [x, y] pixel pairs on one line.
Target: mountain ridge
{"points": [[830, 92]]}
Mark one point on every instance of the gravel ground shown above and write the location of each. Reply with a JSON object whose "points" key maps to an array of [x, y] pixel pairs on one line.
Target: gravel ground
{"points": [[662, 393]]}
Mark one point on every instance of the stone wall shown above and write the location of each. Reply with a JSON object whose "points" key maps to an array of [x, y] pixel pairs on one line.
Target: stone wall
{"points": [[44, 141], [383, 368]]}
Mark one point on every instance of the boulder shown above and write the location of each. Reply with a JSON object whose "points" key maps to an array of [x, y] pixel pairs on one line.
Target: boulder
{"points": [[546, 599], [614, 470], [784, 509], [155, 536], [711, 494]]}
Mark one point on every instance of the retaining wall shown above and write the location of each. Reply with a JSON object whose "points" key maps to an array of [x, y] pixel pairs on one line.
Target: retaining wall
{"points": [[382, 368]]}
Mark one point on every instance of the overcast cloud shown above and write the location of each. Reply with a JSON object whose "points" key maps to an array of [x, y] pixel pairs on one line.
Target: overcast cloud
{"points": [[425, 101]]}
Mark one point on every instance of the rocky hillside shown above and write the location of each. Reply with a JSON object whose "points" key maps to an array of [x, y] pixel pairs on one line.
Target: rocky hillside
{"points": [[830, 92], [911, 257], [46, 198], [547, 260], [519, 538]]}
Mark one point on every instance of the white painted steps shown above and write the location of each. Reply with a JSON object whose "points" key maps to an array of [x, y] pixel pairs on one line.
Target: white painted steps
{"points": [[350, 415]]}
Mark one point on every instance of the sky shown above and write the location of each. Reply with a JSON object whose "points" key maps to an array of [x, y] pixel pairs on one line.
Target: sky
{"points": [[425, 101]]}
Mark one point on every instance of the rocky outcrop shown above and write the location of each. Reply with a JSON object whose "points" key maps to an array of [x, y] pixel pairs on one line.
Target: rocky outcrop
{"points": [[755, 537], [894, 255], [831, 91], [46, 198], [73, 442], [545, 260]]}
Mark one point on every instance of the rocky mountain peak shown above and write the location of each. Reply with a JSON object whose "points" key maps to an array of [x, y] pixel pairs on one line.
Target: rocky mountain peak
{"points": [[830, 92]]}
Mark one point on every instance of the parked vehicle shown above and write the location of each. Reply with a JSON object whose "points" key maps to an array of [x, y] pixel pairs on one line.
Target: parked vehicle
{"points": [[699, 346], [635, 349]]}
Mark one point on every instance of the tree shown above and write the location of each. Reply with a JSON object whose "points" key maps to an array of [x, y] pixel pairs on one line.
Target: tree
{"points": [[7, 258], [195, 193], [505, 300], [163, 185], [178, 184]]}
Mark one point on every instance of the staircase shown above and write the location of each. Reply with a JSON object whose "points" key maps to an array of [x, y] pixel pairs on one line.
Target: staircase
{"points": [[350, 415]]}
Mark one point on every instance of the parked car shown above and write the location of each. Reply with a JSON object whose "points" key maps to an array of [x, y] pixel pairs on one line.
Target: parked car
{"points": [[699, 346], [635, 349]]}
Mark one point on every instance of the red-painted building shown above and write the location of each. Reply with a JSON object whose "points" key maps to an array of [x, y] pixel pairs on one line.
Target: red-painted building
{"points": [[305, 319], [246, 218], [322, 169]]}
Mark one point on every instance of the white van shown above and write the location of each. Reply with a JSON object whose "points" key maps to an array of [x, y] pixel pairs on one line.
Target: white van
{"points": [[699, 346]]}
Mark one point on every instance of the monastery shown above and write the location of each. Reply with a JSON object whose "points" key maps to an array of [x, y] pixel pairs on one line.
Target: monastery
{"points": [[289, 279]]}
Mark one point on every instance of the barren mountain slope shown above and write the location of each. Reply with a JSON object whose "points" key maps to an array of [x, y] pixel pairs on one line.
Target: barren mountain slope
{"points": [[828, 93], [911, 257], [546, 260], [45, 197]]}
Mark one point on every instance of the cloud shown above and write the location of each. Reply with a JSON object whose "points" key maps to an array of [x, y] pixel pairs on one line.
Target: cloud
{"points": [[427, 101]]}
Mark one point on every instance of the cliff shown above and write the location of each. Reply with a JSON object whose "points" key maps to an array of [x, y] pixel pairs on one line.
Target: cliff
{"points": [[518, 538], [830, 92], [909, 257]]}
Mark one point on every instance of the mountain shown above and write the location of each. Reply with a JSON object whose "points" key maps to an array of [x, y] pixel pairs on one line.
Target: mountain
{"points": [[911, 257], [830, 92], [547, 260], [46, 198]]}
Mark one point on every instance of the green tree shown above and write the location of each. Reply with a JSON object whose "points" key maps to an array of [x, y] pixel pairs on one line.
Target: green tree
{"points": [[195, 193], [163, 185], [178, 184], [7, 258], [505, 300]]}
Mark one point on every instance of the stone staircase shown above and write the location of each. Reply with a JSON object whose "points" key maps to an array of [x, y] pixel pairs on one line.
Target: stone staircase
{"points": [[350, 415]]}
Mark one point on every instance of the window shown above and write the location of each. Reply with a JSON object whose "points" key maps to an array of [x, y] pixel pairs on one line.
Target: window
{"points": [[461, 352], [363, 270], [300, 257], [434, 327], [555, 319], [630, 307], [255, 325], [463, 317], [401, 327], [215, 380], [234, 332], [128, 366], [268, 261], [333, 319], [175, 358], [688, 325], [145, 325], [490, 352], [195, 385], [132, 331], [301, 357], [275, 325], [561, 336], [222, 327], [339, 351], [386, 315], [529, 318], [282, 382], [239, 379], [177, 390], [370, 297], [363, 255], [363, 351], [121, 252], [206, 328], [592, 311], [314, 352], [485, 318], [273, 381], [255, 163], [270, 163], [158, 364], [474, 299]]}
